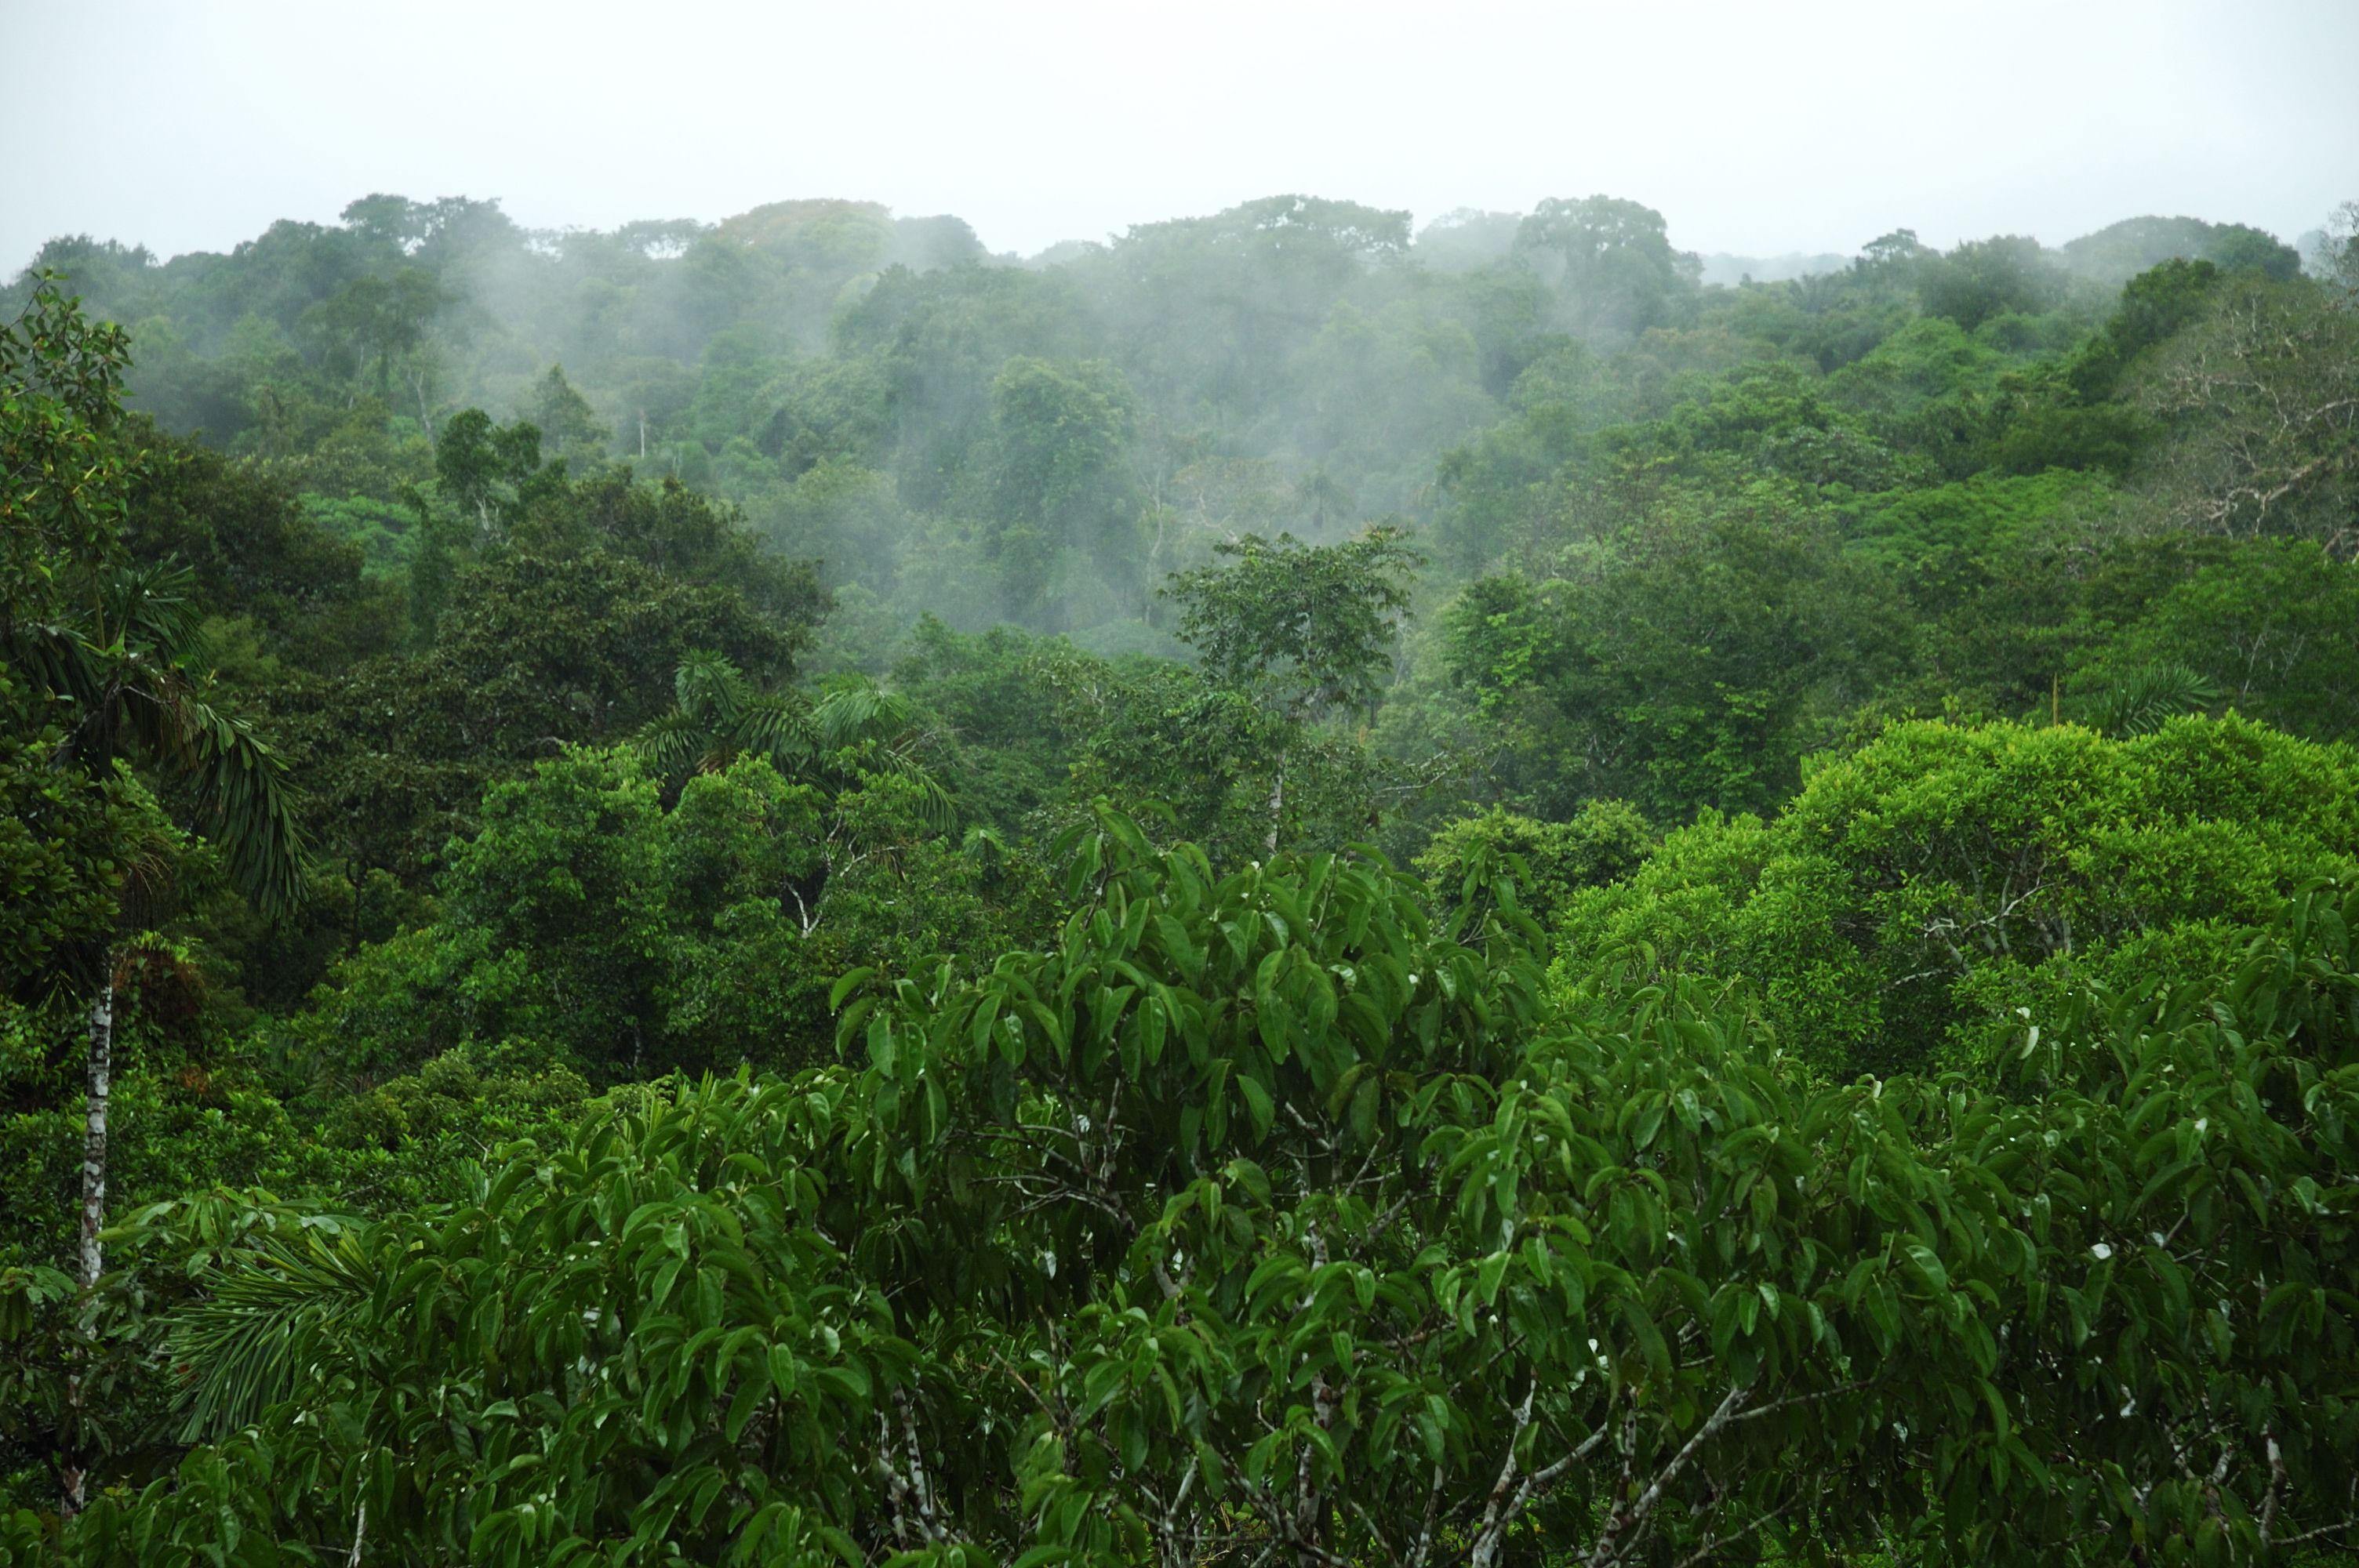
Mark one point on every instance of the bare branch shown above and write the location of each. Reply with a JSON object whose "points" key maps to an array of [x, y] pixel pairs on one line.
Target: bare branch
{"points": [[1631, 1519]]}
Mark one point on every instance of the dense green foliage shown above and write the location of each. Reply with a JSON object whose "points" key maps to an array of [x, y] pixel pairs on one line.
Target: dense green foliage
{"points": [[1914, 897], [726, 893]]}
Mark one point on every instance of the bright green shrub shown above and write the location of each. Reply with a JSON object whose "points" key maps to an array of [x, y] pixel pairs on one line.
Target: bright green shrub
{"points": [[1914, 895], [1603, 843]]}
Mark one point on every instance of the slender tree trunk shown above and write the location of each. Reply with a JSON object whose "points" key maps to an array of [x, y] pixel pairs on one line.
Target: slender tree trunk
{"points": [[94, 1137], [74, 1473], [425, 412], [1276, 807]]}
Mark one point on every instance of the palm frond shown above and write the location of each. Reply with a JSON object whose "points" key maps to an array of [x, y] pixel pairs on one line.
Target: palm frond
{"points": [[58, 668], [2149, 698], [134, 689], [984, 847], [266, 1330], [935, 807], [153, 607], [881, 730], [779, 727], [246, 806], [854, 726], [673, 745], [708, 687], [854, 712]]}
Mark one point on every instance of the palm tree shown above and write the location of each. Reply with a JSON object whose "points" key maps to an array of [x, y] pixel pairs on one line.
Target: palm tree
{"points": [[854, 727], [98, 649], [122, 683]]}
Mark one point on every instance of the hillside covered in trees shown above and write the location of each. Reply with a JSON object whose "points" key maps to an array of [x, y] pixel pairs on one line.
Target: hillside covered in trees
{"points": [[1292, 889]]}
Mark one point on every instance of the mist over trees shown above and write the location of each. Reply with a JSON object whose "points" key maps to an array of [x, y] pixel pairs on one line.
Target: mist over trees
{"points": [[932, 424], [1288, 888]]}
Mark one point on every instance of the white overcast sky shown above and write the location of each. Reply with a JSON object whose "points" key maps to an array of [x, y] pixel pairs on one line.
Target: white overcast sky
{"points": [[1755, 127]]}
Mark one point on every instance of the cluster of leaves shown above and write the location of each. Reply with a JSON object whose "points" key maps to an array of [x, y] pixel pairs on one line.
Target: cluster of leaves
{"points": [[598, 921], [1288, 1222], [1915, 897]]}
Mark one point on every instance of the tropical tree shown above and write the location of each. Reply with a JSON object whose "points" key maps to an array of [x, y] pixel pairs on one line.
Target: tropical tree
{"points": [[380, 319], [2260, 404], [854, 727], [2271, 626], [1982, 278], [1900, 910], [1612, 262], [1256, 1215], [1302, 631], [1058, 498], [2339, 247], [1546, 862], [99, 651], [1692, 658]]}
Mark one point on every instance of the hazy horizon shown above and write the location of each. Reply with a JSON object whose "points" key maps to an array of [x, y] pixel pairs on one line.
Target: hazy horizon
{"points": [[1754, 134]]}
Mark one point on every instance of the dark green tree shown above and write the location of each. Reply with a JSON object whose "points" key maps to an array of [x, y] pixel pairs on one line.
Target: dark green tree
{"points": [[1301, 630], [98, 652], [1611, 262], [1060, 496]]}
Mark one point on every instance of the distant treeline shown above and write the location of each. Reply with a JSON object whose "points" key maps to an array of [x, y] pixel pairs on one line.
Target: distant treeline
{"points": [[1032, 442]]}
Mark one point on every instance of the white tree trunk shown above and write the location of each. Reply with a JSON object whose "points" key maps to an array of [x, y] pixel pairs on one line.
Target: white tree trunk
{"points": [[1276, 807], [93, 1138], [425, 410], [74, 1474]]}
